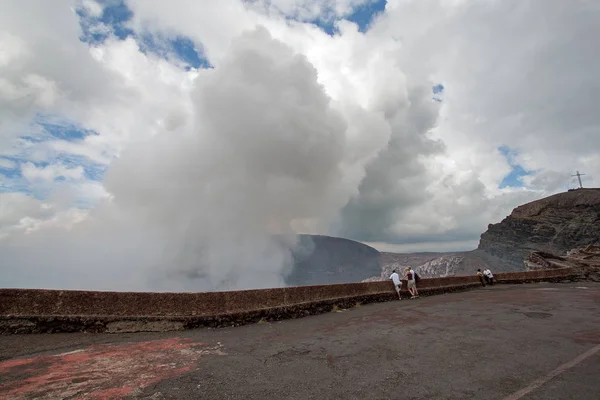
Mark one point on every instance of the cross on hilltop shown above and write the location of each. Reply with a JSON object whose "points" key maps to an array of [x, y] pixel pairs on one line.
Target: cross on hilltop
{"points": [[578, 175]]}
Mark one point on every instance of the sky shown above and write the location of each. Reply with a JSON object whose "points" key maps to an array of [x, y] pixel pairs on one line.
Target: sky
{"points": [[147, 145]]}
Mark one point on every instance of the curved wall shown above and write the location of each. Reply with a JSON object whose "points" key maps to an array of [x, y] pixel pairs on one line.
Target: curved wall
{"points": [[38, 310]]}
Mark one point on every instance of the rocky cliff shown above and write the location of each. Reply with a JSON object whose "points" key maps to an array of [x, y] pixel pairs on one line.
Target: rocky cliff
{"points": [[586, 260], [427, 265], [535, 232], [433, 265], [553, 225]]}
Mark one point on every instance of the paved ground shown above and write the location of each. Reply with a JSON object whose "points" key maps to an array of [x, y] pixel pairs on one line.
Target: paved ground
{"points": [[538, 341]]}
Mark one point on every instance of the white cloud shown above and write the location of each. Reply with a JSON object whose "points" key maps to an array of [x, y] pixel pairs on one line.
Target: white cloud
{"points": [[16, 209], [293, 130], [92, 7], [49, 173], [45, 68], [308, 10], [226, 177], [424, 247], [8, 164]]}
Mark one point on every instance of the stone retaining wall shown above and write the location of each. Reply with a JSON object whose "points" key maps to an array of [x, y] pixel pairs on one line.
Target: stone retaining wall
{"points": [[548, 275], [38, 310]]}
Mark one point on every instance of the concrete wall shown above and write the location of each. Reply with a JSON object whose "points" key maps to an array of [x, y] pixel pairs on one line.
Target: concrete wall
{"points": [[536, 276], [37, 310]]}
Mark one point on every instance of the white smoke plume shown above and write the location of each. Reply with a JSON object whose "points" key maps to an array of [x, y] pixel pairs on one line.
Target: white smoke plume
{"points": [[196, 207]]}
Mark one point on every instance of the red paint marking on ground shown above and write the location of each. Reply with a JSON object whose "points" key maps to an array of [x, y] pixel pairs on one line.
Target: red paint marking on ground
{"points": [[4, 366], [79, 357], [100, 372], [539, 382]]}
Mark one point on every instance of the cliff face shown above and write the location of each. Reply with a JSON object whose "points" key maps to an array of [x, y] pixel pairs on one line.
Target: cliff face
{"points": [[585, 260], [554, 225], [550, 226], [433, 265]]}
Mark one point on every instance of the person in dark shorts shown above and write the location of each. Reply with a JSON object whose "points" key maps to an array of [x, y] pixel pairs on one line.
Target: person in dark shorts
{"points": [[409, 275], [480, 276]]}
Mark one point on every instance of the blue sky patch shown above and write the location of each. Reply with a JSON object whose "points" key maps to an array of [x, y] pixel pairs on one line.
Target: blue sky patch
{"points": [[362, 16], [114, 21], [438, 92], [115, 15], [48, 127], [326, 26], [10, 178], [32, 148], [92, 171], [186, 50], [10, 172], [64, 130], [179, 47], [513, 178]]}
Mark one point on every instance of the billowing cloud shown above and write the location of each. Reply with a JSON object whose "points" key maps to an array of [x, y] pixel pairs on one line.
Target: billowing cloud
{"points": [[528, 84], [265, 151], [294, 130]]}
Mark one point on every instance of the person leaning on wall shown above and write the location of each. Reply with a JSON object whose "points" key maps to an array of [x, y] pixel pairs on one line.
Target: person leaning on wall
{"points": [[409, 275], [397, 283], [481, 278], [489, 277]]}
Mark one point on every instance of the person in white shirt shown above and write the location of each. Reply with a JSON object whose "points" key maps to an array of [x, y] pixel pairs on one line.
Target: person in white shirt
{"points": [[489, 277], [397, 282]]}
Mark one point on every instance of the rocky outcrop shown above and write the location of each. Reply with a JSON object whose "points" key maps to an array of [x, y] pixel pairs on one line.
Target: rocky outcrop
{"points": [[427, 265], [534, 236], [553, 225], [441, 267], [430, 265], [399, 261], [586, 260]]}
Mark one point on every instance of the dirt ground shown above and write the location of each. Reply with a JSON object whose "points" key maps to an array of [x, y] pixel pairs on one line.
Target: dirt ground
{"points": [[534, 341]]}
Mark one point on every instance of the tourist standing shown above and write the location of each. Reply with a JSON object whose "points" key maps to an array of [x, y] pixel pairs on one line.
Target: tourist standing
{"points": [[397, 283], [409, 275]]}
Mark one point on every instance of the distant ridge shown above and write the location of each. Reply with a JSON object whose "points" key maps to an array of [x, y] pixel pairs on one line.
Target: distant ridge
{"points": [[322, 259]]}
